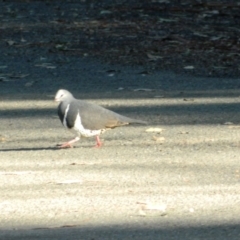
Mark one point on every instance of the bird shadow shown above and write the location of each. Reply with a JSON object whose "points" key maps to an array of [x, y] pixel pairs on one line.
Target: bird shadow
{"points": [[44, 148], [30, 149]]}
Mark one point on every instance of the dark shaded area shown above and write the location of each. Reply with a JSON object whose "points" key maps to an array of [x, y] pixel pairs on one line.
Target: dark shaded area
{"points": [[185, 113], [47, 45], [159, 35], [149, 231], [29, 149]]}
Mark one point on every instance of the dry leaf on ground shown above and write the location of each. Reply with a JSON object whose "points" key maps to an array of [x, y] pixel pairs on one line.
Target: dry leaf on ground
{"points": [[156, 130]]}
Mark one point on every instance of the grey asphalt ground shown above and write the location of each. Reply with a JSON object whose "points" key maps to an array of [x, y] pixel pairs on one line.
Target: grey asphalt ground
{"points": [[181, 182], [176, 178]]}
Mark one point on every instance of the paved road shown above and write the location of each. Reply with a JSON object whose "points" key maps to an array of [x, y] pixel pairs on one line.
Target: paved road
{"points": [[179, 183]]}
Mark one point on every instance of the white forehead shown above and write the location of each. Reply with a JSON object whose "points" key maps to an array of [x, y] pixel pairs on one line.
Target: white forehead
{"points": [[62, 92]]}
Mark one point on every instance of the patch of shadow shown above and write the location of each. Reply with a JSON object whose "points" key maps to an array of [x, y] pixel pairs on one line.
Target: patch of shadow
{"points": [[29, 149]]}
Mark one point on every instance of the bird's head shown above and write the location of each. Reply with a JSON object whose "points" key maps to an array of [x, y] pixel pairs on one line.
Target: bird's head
{"points": [[62, 95]]}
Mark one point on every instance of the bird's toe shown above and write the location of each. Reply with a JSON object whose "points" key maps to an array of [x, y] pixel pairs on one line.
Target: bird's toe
{"points": [[64, 145]]}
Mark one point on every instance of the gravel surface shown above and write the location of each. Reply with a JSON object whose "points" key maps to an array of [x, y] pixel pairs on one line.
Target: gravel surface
{"points": [[176, 178]]}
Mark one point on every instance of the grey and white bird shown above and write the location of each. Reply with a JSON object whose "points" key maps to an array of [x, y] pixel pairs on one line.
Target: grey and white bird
{"points": [[87, 119]]}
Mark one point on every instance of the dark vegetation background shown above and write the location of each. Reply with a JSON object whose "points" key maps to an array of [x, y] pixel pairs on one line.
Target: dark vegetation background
{"points": [[191, 37]]}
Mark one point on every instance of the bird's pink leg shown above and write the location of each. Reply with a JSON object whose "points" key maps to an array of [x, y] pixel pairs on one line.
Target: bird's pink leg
{"points": [[99, 143], [69, 143]]}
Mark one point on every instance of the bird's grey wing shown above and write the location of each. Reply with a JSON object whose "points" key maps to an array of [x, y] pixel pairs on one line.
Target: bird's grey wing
{"points": [[95, 117]]}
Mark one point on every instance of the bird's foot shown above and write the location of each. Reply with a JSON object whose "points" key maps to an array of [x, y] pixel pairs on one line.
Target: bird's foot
{"points": [[99, 143], [65, 145], [69, 143]]}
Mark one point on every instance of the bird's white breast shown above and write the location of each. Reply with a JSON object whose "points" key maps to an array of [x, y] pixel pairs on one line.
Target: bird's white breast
{"points": [[82, 131]]}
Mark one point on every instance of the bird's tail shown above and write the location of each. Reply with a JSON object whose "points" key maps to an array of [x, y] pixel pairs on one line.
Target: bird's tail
{"points": [[132, 120], [135, 121]]}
